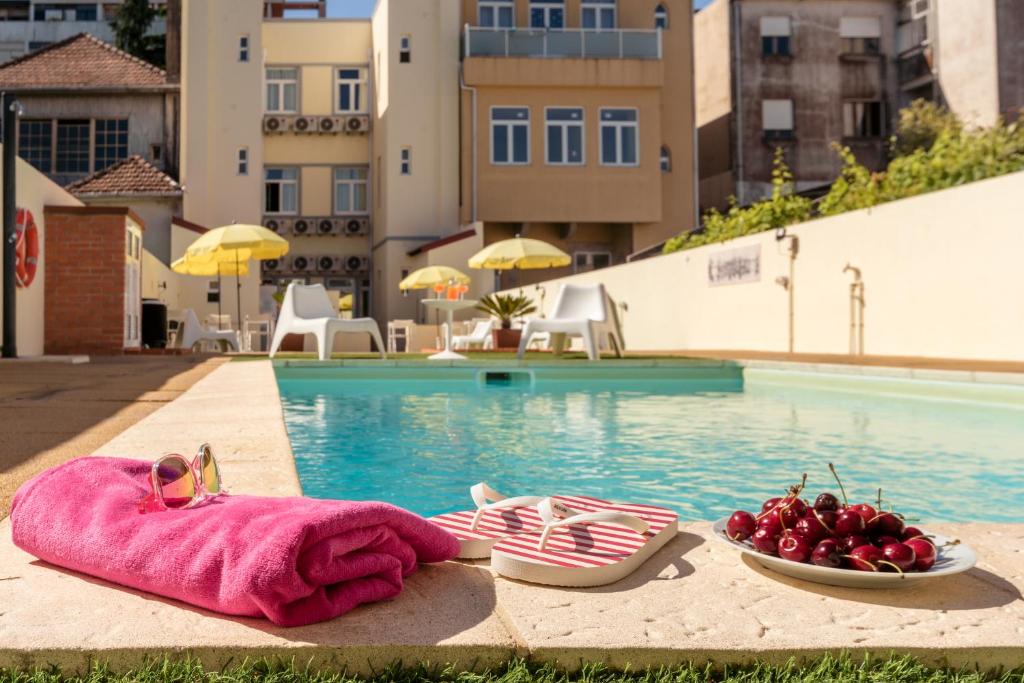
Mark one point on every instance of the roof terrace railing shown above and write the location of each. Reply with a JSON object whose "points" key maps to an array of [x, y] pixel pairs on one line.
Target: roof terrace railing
{"points": [[562, 43]]}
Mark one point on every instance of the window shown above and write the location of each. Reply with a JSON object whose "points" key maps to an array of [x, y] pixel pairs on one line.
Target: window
{"points": [[350, 190], [584, 261], [862, 119], [243, 161], [547, 13], [243, 48], [497, 13], [510, 135], [35, 143], [777, 119], [598, 14], [212, 291], [860, 35], [282, 90], [156, 152], [565, 136], [666, 159], [775, 35], [619, 137], [660, 17], [406, 158], [111, 143], [281, 190], [405, 50], [351, 84], [72, 147], [79, 11]]}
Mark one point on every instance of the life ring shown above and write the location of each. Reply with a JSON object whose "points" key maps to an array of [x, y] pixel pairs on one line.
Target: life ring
{"points": [[27, 248]]}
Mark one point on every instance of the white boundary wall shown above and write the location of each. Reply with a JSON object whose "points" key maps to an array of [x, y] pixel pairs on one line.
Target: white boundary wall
{"points": [[943, 276]]}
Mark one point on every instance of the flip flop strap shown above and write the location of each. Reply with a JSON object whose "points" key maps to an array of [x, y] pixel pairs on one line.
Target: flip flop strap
{"points": [[556, 515], [482, 493]]}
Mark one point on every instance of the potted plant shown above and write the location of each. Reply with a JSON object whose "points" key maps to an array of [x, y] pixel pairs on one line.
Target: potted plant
{"points": [[505, 307]]}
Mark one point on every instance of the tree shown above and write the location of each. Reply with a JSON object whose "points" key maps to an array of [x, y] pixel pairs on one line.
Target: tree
{"points": [[130, 25], [920, 125]]}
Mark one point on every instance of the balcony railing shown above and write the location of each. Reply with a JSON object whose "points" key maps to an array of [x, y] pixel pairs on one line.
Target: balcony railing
{"points": [[563, 43]]}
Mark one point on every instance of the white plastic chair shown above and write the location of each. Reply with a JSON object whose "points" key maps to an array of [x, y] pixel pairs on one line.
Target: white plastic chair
{"points": [[190, 332], [480, 336], [307, 310], [398, 331], [580, 311]]}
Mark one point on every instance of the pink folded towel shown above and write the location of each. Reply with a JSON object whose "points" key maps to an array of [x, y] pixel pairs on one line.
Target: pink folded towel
{"points": [[294, 561]]}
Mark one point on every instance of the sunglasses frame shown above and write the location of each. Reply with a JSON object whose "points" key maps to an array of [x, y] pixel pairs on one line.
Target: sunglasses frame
{"points": [[154, 502]]}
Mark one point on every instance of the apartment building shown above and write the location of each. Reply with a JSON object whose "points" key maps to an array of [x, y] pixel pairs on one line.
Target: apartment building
{"points": [[802, 74], [30, 25], [378, 146]]}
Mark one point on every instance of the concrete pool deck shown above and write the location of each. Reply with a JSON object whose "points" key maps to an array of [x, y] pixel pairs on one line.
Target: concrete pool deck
{"points": [[695, 600]]}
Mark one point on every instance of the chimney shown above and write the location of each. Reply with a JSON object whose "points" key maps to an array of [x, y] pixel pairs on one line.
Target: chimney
{"points": [[172, 47]]}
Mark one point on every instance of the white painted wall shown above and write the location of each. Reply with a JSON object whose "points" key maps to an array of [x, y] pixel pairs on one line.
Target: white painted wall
{"points": [[943, 277]]}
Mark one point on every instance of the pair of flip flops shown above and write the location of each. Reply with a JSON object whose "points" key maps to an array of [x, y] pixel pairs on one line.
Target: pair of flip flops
{"points": [[559, 540]]}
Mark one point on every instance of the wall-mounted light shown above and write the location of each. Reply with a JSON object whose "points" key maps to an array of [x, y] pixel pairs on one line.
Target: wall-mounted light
{"points": [[780, 233]]}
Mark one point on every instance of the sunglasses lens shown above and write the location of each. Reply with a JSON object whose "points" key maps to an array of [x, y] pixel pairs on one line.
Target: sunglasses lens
{"points": [[211, 475], [177, 484]]}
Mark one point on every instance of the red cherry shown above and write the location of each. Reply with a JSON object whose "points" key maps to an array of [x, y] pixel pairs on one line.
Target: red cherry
{"points": [[741, 526], [826, 502], [770, 523], [924, 552], [828, 553], [900, 554], [848, 543], [811, 528], [886, 524], [865, 558], [770, 504], [911, 532], [864, 510], [794, 547], [764, 541], [849, 522], [882, 541]]}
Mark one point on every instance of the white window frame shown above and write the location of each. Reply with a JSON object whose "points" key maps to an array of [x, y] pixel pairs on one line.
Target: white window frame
{"points": [[547, 6], [661, 14], [352, 183], [495, 6], [599, 7], [244, 47], [511, 124], [242, 167], [361, 83], [282, 84], [281, 182], [565, 126], [405, 161], [405, 49], [619, 126]]}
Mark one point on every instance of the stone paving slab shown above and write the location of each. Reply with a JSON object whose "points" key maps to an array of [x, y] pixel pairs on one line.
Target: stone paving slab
{"points": [[695, 600]]}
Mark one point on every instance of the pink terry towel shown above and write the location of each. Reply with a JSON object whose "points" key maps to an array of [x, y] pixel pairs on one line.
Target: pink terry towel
{"points": [[294, 561]]}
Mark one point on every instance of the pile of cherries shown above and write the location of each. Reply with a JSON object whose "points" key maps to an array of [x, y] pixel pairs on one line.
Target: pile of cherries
{"points": [[829, 534]]}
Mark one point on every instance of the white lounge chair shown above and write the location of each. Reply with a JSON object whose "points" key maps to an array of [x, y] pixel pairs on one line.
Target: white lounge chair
{"points": [[307, 310], [580, 311], [190, 333], [480, 336]]}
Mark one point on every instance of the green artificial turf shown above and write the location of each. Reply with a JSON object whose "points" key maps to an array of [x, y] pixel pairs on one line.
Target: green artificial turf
{"points": [[831, 670]]}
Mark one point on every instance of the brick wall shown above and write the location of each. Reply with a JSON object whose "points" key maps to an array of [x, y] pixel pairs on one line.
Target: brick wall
{"points": [[84, 290]]}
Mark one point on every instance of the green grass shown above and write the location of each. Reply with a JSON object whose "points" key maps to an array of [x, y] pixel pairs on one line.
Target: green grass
{"points": [[494, 356], [831, 670]]}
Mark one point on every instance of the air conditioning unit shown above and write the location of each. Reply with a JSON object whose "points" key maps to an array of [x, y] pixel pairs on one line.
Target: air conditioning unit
{"points": [[357, 124], [302, 226], [920, 8], [305, 124], [272, 266], [303, 264], [356, 264], [327, 226], [327, 264], [357, 226], [278, 225], [332, 124], [276, 124]]}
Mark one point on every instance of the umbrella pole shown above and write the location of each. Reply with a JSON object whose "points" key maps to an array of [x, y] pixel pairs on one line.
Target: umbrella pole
{"points": [[238, 292], [220, 294]]}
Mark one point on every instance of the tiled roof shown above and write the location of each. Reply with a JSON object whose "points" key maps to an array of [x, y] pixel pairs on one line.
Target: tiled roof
{"points": [[133, 176], [82, 61]]}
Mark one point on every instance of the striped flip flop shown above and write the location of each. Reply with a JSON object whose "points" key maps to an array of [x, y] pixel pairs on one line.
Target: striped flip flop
{"points": [[590, 544], [479, 530]]}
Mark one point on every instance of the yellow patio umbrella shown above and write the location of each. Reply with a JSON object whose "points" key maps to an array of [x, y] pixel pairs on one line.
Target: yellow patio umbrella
{"points": [[425, 278], [189, 266], [236, 244], [520, 253], [345, 303]]}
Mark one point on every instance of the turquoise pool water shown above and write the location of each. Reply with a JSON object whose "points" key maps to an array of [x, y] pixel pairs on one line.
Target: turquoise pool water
{"points": [[704, 448]]}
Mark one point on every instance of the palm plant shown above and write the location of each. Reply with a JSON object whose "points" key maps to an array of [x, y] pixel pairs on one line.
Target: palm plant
{"points": [[505, 307]]}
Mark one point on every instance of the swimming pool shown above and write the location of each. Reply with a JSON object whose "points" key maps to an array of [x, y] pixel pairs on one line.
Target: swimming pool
{"points": [[704, 443]]}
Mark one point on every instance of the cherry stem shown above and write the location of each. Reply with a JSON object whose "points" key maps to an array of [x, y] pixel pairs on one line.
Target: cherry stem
{"points": [[894, 566], [857, 559], [878, 502], [846, 501], [821, 521]]}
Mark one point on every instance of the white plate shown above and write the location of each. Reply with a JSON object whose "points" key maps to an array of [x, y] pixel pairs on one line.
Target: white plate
{"points": [[950, 560]]}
